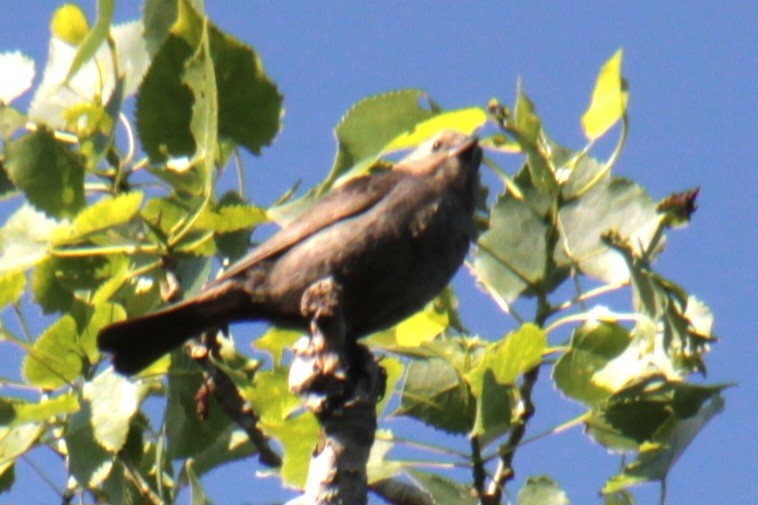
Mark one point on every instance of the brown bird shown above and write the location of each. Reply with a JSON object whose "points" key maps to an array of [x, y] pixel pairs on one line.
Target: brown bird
{"points": [[391, 240]]}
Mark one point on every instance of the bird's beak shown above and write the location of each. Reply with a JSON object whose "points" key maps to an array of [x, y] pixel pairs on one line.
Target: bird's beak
{"points": [[464, 146]]}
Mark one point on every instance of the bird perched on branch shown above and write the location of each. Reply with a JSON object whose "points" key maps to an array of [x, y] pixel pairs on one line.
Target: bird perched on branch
{"points": [[390, 240]]}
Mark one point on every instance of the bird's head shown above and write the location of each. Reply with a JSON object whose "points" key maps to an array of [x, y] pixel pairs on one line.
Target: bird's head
{"points": [[433, 153]]}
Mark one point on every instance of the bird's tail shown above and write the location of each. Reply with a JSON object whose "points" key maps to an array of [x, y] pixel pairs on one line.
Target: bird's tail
{"points": [[136, 343]]}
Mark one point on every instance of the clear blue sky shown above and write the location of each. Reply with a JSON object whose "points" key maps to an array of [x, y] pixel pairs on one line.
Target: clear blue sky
{"points": [[692, 70]]}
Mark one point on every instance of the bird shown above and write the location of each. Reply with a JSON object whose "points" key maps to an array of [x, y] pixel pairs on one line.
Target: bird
{"points": [[391, 240]]}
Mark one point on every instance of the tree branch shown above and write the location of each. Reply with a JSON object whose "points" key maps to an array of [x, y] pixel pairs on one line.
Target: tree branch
{"points": [[340, 382]]}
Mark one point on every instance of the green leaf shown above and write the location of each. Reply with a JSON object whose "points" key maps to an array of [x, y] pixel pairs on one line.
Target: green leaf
{"points": [[55, 359], [588, 371], [231, 445], [24, 239], [113, 400], [394, 370], [249, 105], [17, 412], [517, 353], [230, 216], [644, 412], [159, 17], [491, 378], [614, 203], [511, 255], [70, 24], [464, 120], [103, 214], [164, 104], [620, 497], [48, 172], [200, 78], [14, 442], [654, 461], [442, 490], [6, 186], [437, 395], [10, 121], [609, 99], [275, 341], [88, 462], [12, 286], [421, 327], [197, 493], [370, 124], [187, 434], [233, 221], [58, 281], [379, 466], [104, 313], [494, 406], [526, 127], [95, 38], [272, 400], [541, 490]]}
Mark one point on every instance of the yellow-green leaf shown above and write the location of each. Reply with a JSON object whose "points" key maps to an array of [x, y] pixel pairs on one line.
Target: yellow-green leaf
{"points": [[609, 99], [103, 214], [421, 327], [464, 120], [54, 360], [12, 286], [520, 351], [70, 24], [64, 404]]}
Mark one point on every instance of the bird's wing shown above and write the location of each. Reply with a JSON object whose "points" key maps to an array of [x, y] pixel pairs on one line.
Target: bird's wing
{"points": [[354, 197]]}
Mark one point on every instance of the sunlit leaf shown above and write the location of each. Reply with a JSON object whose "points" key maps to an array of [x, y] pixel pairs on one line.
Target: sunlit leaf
{"points": [[16, 412], [18, 72], [197, 493], [55, 359], [200, 77], [421, 327], [271, 399], [609, 99], [14, 442], [541, 490], [12, 286], [518, 352], [94, 38], [89, 463], [113, 400], [101, 215], [526, 127], [594, 345], [95, 81], [614, 203], [24, 239], [373, 122], [464, 120]]}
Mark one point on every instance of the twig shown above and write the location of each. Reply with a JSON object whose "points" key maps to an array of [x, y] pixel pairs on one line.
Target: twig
{"points": [[234, 405]]}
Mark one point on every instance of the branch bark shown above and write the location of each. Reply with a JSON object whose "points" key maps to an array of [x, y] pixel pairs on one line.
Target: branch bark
{"points": [[341, 383]]}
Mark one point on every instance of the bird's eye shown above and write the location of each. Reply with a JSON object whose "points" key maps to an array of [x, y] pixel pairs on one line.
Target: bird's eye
{"points": [[437, 145]]}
